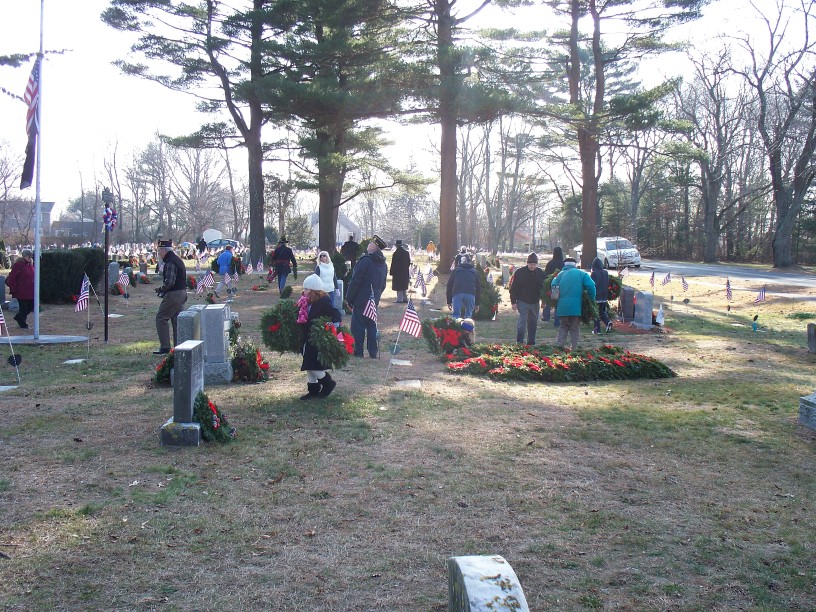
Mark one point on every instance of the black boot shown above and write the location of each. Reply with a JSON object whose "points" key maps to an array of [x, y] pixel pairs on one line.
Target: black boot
{"points": [[314, 390], [327, 385]]}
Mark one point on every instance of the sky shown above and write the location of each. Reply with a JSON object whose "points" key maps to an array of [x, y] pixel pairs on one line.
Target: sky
{"points": [[88, 107]]}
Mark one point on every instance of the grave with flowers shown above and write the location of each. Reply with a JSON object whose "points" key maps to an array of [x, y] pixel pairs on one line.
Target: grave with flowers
{"points": [[540, 363]]}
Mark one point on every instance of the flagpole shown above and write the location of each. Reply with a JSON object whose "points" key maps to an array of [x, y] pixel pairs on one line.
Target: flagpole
{"points": [[37, 203], [11, 346]]}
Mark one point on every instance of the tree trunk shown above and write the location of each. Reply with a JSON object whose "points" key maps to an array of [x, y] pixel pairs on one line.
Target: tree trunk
{"points": [[447, 122]]}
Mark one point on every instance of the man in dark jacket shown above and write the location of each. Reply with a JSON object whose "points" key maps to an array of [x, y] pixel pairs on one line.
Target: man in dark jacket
{"points": [[400, 262], [350, 250], [464, 290], [601, 279], [284, 261], [173, 293], [525, 296], [369, 277]]}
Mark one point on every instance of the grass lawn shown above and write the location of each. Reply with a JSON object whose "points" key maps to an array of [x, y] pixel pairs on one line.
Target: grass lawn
{"points": [[691, 493]]}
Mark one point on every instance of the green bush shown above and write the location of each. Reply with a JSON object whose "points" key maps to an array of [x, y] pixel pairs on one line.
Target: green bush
{"points": [[61, 273]]}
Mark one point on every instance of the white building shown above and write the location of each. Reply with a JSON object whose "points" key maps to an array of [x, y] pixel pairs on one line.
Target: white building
{"points": [[345, 227]]}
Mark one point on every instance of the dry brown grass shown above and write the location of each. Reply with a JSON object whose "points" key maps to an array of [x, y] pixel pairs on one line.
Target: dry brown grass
{"points": [[690, 493]]}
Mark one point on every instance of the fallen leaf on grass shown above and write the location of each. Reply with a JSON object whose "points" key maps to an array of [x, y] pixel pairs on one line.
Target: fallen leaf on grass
{"points": [[531, 442], [310, 533]]}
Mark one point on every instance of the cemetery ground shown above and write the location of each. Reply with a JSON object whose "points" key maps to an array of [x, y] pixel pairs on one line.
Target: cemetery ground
{"points": [[690, 493]]}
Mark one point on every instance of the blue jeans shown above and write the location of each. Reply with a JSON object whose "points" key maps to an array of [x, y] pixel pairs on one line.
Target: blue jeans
{"points": [[360, 327], [545, 315], [282, 276], [466, 301], [528, 319], [603, 315]]}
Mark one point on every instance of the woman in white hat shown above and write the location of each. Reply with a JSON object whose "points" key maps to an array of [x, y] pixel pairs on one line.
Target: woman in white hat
{"points": [[319, 382]]}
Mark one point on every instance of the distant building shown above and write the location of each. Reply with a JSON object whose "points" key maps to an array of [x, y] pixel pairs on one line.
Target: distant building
{"points": [[17, 219], [345, 227]]}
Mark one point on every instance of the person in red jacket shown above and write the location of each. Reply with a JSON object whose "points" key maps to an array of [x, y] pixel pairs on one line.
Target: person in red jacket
{"points": [[21, 284]]}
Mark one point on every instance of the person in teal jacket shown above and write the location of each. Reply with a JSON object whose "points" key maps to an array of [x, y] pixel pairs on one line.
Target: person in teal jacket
{"points": [[571, 283]]}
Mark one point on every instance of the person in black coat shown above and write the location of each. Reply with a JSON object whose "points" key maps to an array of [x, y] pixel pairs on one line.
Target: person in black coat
{"points": [[369, 276], [601, 278], [319, 381], [556, 263], [525, 297], [350, 250], [284, 261], [400, 262]]}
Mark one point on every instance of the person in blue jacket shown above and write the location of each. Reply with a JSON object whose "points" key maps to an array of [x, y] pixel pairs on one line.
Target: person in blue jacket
{"points": [[571, 283], [224, 263], [601, 279], [369, 276], [463, 290]]}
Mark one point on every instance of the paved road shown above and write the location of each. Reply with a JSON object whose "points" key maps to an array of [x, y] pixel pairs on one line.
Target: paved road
{"points": [[742, 278]]}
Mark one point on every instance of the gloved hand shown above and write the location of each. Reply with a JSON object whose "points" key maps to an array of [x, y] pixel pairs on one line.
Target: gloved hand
{"points": [[295, 273], [158, 289]]}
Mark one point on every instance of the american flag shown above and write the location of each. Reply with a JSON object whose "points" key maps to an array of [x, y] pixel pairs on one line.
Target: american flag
{"points": [[651, 279], [2, 318], [412, 271], [82, 300], [420, 282], [32, 100], [370, 311], [235, 276], [623, 273], [124, 280], [666, 280], [207, 282], [429, 276], [259, 267], [760, 296], [728, 294], [489, 276], [410, 321], [227, 279], [685, 283], [250, 269]]}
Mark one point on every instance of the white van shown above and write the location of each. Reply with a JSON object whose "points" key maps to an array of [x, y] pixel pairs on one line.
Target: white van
{"points": [[614, 252]]}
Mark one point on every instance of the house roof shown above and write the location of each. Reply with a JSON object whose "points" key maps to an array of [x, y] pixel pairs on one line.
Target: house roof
{"points": [[314, 219]]}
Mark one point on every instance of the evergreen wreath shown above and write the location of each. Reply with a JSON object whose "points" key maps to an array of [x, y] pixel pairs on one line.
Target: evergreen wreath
{"points": [[444, 334], [162, 375], [192, 283], [214, 424], [279, 329], [286, 293], [116, 289], [615, 286], [333, 349], [248, 365], [589, 307], [489, 298], [210, 299], [546, 363]]}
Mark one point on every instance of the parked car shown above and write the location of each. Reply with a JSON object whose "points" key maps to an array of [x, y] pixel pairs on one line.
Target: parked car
{"points": [[613, 251], [222, 242]]}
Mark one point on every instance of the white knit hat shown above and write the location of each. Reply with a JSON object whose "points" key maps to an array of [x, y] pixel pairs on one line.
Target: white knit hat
{"points": [[313, 282]]}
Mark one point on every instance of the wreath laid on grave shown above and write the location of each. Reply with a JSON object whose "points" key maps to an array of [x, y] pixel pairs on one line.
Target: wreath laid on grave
{"points": [[117, 289], [144, 279], [234, 334], [334, 345], [210, 299], [248, 365], [214, 424], [545, 363], [259, 287], [279, 329], [162, 375], [192, 283], [444, 335]]}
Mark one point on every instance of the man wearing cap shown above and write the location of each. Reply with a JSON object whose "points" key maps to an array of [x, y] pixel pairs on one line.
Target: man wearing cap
{"points": [[173, 293], [571, 283], [284, 261], [400, 262], [350, 250], [525, 296], [369, 276]]}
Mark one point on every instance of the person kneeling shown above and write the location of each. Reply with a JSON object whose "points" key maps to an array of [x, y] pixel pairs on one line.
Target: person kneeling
{"points": [[316, 304]]}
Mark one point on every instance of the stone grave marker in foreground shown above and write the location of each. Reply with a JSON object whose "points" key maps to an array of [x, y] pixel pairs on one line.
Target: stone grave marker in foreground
{"points": [[216, 322], [627, 303], [644, 300], [188, 381], [811, 336], [807, 411], [482, 583], [189, 323]]}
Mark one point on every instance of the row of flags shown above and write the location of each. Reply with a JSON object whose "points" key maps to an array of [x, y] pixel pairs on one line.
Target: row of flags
{"points": [[729, 294]]}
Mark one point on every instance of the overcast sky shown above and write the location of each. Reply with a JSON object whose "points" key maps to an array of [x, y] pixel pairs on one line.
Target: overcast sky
{"points": [[88, 106]]}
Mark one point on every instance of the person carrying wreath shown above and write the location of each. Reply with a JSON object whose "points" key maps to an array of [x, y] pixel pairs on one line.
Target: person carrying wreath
{"points": [[525, 296], [571, 283], [319, 382], [283, 259]]}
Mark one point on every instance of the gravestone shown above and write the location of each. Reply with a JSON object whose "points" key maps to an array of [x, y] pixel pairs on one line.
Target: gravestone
{"points": [[482, 583], [142, 267], [188, 381], [113, 272], [189, 323], [807, 411], [644, 300], [505, 274], [627, 303], [215, 325], [811, 333]]}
